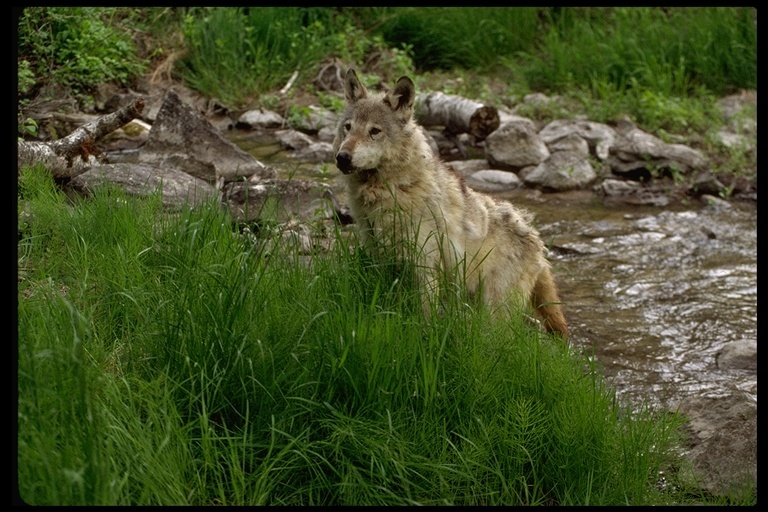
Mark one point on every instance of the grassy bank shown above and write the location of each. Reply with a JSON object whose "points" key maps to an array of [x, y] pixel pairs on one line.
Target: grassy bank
{"points": [[170, 360]]}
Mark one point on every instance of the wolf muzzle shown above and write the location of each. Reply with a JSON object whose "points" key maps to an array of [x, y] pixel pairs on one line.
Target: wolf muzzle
{"points": [[344, 162]]}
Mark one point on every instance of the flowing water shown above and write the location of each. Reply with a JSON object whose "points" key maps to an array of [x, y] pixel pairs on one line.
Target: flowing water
{"points": [[654, 293]]}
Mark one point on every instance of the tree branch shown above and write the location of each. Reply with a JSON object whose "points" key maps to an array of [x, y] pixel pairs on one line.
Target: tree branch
{"points": [[76, 153]]}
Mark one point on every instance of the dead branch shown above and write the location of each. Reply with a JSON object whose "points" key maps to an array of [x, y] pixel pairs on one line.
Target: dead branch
{"points": [[76, 153], [288, 85]]}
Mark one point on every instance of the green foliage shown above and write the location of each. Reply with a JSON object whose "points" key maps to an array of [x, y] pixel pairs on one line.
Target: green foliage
{"points": [[236, 53], [459, 37], [239, 53], [26, 77], [657, 65], [27, 127], [39, 199], [75, 47], [658, 112], [166, 359], [666, 50]]}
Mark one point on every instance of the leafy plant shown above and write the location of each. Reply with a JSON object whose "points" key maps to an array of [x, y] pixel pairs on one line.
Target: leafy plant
{"points": [[664, 50], [75, 47], [27, 127], [237, 53], [26, 80]]}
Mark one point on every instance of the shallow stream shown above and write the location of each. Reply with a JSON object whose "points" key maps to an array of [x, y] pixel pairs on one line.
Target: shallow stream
{"points": [[656, 293]]}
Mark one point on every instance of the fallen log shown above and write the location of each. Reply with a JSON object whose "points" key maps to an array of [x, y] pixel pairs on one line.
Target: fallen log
{"points": [[76, 153], [456, 114]]}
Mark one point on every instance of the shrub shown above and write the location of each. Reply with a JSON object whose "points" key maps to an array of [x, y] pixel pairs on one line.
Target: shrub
{"points": [[74, 47]]}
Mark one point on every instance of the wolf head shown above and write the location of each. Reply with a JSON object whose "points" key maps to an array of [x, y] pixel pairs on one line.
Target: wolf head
{"points": [[373, 126]]}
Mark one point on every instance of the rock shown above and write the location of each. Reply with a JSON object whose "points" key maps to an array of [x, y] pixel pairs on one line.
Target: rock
{"points": [[735, 140], [468, 167], [182, 138], [259, 119], [632, 193], [599, 136], [440, 144], [739, 111], [514, 145], [131, 136], [492, 180], [563, 170], [279, 200], [178, 187], [303, 147], [312, 119], [328, 133], [571, 142], [293, 139], [715, 202], [315, 152], [723, 443], [635, 151], [505, 117], [615, 188], [536, 99], [740, 355], [154, 95], [707, 183]]}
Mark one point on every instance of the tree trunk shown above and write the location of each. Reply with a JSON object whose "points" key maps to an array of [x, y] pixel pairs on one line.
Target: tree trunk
{"points": [[76, 153], [456, 114]]}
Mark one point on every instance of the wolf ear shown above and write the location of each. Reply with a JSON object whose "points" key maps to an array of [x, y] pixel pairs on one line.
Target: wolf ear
{"points": [[353, 88], [402, 97]]}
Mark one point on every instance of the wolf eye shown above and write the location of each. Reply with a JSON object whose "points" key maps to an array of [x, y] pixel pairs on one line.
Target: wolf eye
{"points": [[374, 131]]}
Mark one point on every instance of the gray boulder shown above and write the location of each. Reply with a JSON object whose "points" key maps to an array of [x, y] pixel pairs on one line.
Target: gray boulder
{"points": [[636, 154], [599, 136], [514, 145], [178, 188], [563, 170], [279, 200], [260, 119], [492, 180], [722, 444], [312, 119], [181, 138]]}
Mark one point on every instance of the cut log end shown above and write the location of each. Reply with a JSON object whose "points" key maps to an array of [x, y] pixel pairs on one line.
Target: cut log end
{"points": [[483, 121]]}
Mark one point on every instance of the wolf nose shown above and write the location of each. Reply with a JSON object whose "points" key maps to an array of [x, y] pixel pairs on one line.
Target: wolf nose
{"points": [[344, 162]]}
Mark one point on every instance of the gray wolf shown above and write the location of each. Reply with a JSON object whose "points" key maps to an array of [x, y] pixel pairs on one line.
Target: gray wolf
{"points": [[398, 189]]}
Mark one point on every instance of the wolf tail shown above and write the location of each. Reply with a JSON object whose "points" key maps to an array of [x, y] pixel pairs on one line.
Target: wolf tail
{"points": [[546, 302]]}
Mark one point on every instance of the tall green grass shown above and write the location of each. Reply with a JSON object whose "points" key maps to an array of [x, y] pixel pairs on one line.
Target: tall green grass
{"points": [[236, 54], [670, 51], [667, 51], [655, 64], [166, 359], [459, 37]]}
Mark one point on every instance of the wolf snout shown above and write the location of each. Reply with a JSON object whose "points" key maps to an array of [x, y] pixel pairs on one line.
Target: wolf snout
{"points": [[344, 162]]}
